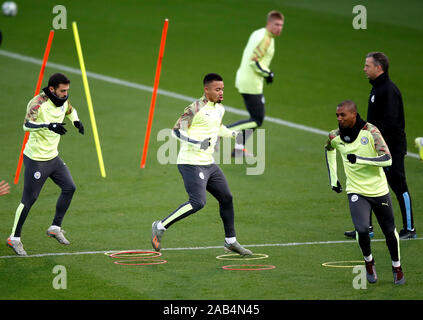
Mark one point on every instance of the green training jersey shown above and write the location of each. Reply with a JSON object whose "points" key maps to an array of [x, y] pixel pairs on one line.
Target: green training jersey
{"points": [[365, 177], [255, 62], [42, 143], [201, 120]]}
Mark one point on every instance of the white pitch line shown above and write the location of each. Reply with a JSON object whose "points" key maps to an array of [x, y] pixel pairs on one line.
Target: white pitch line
{"points": [[170, 94], [289, 244]]}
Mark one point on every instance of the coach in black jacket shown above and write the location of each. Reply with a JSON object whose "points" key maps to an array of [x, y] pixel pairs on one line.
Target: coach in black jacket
{"points": [[386, 112]]}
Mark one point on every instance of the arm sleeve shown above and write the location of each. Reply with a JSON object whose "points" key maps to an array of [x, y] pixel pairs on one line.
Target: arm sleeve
{"points": [[31, 122], [330, 154], [71, 113], [181, 135], [185, 120], [259, 69], [181, 126], [225, 132], [258, 54], [384, 156]]}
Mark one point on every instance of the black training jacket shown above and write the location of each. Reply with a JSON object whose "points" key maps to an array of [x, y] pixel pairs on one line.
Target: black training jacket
{"points": [[386, 111]]}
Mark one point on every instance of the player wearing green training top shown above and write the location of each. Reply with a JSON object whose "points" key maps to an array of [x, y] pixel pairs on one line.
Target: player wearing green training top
{"points": [[44, 121], [198, 129], [364, 154], [254, 69]]}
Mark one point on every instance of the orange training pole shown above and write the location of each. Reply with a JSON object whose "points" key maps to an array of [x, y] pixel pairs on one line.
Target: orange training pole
{"points": [[37, 91], [153, 98]]}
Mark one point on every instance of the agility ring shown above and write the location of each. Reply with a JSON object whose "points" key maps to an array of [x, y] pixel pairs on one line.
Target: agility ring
{"points": [[136, 258], [131, 262], [341, 264], [227, 256], [249, 267], [135, 254]]}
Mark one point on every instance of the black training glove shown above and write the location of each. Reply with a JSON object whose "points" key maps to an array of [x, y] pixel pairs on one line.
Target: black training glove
{"points": [[79, 126], [352, 158], [269, 78], [338, 188], [205, 144], [57, 127]]}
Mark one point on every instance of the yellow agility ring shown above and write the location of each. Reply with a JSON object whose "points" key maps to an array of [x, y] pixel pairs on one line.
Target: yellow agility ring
{"points": [[227, 256], [342, 264]]}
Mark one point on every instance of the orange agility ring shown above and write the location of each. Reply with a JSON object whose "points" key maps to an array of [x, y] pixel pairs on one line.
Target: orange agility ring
{"points": [[249, 267], [137, 263]]}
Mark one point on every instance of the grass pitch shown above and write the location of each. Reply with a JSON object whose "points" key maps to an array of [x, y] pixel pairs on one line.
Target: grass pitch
{"points": [[288, 213]]}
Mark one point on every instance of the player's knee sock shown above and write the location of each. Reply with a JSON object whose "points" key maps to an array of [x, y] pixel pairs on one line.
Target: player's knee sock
{"points": [[20, 217]]}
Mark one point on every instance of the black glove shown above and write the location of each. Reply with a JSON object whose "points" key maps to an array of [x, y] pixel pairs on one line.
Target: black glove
{"points": [[205, 144], [57, 127], [79, 126], [338, 188], [269, 78], [352, 157]]}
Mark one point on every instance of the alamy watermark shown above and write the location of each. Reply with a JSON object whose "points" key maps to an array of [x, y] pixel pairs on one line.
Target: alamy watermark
{"points": [[360, 20], [61, 280], [360, 280], [60, 21], [168, 151]]}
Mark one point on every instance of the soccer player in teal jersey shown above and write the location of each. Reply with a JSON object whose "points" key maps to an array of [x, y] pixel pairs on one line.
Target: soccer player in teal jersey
{"points": [[254, 69], [198, 130], [44, 121], [364, 154]]}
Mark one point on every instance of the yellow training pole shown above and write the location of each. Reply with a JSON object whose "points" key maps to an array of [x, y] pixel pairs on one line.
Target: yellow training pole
{"points": [[89, 102]]}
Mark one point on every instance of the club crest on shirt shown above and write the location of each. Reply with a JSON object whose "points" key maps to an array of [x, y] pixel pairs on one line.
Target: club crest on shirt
{"points": [[364, 141]]}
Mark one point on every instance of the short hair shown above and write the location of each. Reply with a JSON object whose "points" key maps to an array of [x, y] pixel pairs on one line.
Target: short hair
{"points": [[380, 59], [274, 14], [351, 105], [57, 79], [210, 77]]}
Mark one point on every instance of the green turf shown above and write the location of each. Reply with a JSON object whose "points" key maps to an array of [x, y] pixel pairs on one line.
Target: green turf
{"points": [[318, 63]]}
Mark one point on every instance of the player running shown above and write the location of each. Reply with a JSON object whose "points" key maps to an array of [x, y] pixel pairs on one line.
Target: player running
{"points": [[254, 69], [198, 129], [364, 154], [44, 119]]}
